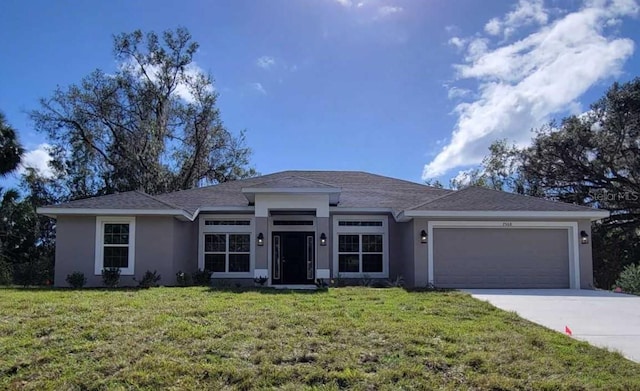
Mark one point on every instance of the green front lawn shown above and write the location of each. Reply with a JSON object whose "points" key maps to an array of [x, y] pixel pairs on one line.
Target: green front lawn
{"points": [[352, 338]]}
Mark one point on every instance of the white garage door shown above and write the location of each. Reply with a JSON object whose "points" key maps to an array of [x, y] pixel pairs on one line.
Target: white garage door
{"points": [[500, 258]]}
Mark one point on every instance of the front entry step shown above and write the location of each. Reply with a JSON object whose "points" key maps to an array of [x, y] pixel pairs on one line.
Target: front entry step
{"points": [[296, 287]]}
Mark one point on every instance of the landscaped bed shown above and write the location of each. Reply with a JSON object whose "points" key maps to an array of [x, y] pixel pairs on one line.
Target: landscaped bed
{"points": [[355, 338]]}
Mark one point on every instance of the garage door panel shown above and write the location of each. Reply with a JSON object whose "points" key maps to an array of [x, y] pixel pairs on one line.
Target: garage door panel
{"points": [[501, 258]]}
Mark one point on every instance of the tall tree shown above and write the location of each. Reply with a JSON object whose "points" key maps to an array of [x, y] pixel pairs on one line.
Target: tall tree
{"points": [[153, 125], [10, 149], [501, 169], [594, 160]]}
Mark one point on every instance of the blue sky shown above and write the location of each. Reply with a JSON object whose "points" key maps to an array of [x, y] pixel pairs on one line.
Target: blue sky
{"points": [[409, 89]]}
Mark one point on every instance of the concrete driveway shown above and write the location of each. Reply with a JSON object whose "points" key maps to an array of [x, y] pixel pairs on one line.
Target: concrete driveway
{"points": [[605, 319]]}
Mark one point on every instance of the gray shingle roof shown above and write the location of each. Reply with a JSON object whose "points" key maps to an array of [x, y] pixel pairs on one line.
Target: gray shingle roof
{"points": [[126, 200], [291, 182], [358, 190], [480, 198]]}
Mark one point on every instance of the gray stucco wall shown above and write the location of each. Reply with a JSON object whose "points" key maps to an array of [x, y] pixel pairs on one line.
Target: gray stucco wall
{"points": [[185, 250], [75, 249], [404, 252], [154, 248], [396, 249], [586, 257], [262, 252], [323, 261], [420, 253]]}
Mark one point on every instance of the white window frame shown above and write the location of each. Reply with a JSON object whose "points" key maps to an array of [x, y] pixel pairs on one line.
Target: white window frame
{"points": [[227, 229], [99, 259], [357, 230]]}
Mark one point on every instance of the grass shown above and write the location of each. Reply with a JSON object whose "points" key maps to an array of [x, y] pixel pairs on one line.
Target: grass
{"points": [[346, 338]]}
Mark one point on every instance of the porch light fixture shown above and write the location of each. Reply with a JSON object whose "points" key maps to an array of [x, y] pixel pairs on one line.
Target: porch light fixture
{"points": [[423, 236], [584, 237], [260, 239], [323, 239]]}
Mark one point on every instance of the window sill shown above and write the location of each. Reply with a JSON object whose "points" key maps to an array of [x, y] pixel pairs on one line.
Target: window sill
{"points": [[361, 275]]}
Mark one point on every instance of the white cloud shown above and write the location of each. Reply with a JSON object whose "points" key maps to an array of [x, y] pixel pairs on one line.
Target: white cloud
{"points": [[388, 10], [259, 88], [266, 62], [522, 84], [463, 178], [38, 159], [493, 27], [457, 93], [345, 3], [457, 42]]}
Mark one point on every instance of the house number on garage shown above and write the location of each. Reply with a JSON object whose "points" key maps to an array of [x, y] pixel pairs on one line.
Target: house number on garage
{"points": [[506, 224]]}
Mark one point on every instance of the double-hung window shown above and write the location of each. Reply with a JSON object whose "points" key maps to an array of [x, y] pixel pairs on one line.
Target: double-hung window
{"points": [[361, 246], [226, 246], [115, 244]]}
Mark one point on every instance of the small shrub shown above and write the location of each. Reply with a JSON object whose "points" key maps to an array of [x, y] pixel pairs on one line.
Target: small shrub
{"points": [[202, 277], [321, 283], [398, 282], [260, 280], [183, 279], [366, 281], [337, 281], [76, 280], [149, 279], [111, 277], [629, 279], [6, 273]]}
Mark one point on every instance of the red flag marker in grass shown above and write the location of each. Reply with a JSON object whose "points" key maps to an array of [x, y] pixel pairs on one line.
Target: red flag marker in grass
{"points": [[568, 330]]}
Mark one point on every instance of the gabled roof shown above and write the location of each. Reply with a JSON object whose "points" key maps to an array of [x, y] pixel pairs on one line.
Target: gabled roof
{"points": [[357, 191]]}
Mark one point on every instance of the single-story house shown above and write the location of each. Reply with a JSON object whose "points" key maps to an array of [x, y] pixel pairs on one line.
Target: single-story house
{"points": [[295, 227]]}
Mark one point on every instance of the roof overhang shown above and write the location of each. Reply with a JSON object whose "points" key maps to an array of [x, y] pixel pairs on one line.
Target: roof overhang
{"points": [[593, 215], [55, 212], [333, 192]]}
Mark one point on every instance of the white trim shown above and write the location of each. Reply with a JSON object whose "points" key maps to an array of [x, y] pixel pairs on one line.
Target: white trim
{"points": [[258, 273], [573, 240], [323, 273], [292, 228], [227, 229], [356, 230], [595, 214], [267, 202], [331, 193], [271, 229], [337, 210], [223, 209], [99, 243]]}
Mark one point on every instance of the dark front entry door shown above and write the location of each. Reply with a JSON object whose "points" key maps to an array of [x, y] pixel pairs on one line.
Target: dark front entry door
{"points": [[293, 257]]}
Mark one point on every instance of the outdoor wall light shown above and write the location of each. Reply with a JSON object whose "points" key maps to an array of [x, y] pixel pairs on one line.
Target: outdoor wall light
{"points": [[323, 239], [584, 237], [260, 239], [423, 236]]}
